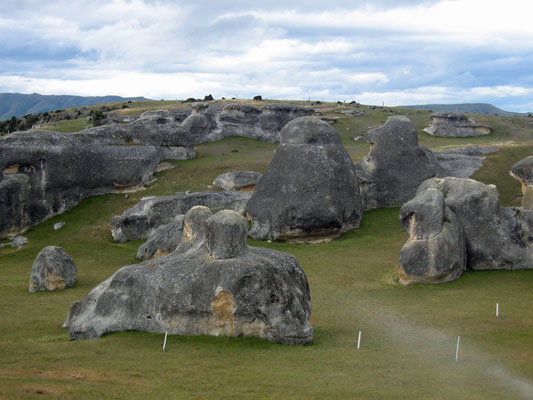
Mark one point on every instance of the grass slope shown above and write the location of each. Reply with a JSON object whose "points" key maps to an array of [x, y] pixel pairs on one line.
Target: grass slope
{"points": [[475, 108], [409, 333]]}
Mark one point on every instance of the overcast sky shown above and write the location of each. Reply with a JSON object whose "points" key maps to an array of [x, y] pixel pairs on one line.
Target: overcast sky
{"points": [[396, 52]]}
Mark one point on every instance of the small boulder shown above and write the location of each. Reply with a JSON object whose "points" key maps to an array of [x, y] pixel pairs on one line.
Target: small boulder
{"points": [[52, 269], [59, 225], [310, 191], [19, 241], [237, 180]]}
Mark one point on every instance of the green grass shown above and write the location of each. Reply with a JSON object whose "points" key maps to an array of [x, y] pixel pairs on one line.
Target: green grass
{"points": [[409, 333]]}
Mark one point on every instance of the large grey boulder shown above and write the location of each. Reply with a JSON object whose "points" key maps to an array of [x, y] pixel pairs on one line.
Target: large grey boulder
{"points": [[448, 124], [214, 284], [237, 180], [139, 221], [163, 239], [310, 191], [436, 249], [523, 171], [495, 237], [45, 173], [395, 166], [52, 269]]}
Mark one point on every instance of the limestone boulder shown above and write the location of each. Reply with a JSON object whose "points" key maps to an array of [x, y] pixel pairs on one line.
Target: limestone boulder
{"points": [[213, 284], [140, 221], [495, 237], [461, 162], [395, 166], [237, 180], [447, 124], [52, 269], [310, 191], [163, 240], [436, 249], [523, 171]]}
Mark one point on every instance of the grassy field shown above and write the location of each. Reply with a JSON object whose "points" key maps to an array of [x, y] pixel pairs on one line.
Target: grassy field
{"points": [[409, 333]]}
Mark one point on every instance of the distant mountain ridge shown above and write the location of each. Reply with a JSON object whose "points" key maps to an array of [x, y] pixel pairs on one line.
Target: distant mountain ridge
{"points": [[474, 108], [17, 104]]}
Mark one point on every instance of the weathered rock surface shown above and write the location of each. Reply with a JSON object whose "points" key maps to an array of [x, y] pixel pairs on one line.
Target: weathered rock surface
{"points": [[45, 173], [18, 242], [139, 221], [212, 285], [237, 180], [448, 124], [163, 240], [395, 166], [523, 171], [52, 269], [495, 237], [310, 191], [214, 121], [461, 162]]}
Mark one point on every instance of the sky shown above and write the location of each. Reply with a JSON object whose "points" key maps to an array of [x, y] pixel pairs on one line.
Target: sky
{"points": [[381, 52]]}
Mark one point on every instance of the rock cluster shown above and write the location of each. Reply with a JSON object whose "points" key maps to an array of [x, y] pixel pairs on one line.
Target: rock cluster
{"points": [[141, 220], [456, 224], [310, 191], [523, 171], [395, 166], [52, 269], [237, 180], [213, 284], [448, 124], [44, 173]]}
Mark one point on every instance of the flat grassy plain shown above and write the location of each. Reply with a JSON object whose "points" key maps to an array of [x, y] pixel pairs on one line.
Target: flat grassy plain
{"points": [[409, 333]]}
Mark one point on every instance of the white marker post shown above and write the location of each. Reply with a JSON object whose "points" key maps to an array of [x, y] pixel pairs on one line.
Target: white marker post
{"points": [[165, 341], [457, 349], [359, 340], [497, 309]]}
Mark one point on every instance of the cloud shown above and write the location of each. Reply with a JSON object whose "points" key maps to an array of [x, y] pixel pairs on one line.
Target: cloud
{"points": [[376, 51]]}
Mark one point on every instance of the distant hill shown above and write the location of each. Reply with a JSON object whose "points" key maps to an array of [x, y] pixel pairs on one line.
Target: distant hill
{"points": [[16, 104], [474, 108]]}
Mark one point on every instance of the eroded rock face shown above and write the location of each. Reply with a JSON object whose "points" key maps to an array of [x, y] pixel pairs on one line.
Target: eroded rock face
{"points": [[140, 221], [163, 240], [395, 166], [52, 269], [214, 120], [523, 171], [448, 124], [494, 237], [214, 284], [461, 162], [46, 173], [237, 180], [310, 191]]}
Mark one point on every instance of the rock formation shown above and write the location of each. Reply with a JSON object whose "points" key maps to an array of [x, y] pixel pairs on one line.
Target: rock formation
{"points": [[162, 240], [448, 124], [45, 173], [523, 171], [310, 191], [140, 221], [213, 284], [456, 224], [461, 162], [214, 121], [52, 269], [395, 166], [237, 180]]}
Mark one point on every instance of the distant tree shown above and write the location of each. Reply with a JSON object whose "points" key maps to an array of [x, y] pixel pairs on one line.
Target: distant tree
{"points": [[97, 117]]}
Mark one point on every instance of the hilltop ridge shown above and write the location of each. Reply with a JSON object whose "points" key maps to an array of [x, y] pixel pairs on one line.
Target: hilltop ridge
{"points": [[18, 104], [473, 108]]}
